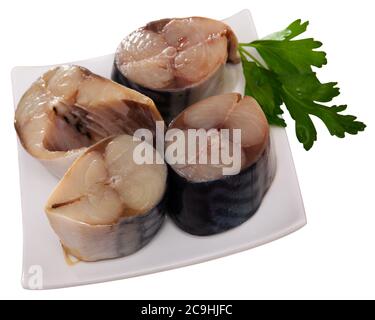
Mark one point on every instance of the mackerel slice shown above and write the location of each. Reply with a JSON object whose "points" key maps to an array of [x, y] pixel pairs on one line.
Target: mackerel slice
{"points": [[70, 108], [106, 205], [176, 62], [202, 200]]}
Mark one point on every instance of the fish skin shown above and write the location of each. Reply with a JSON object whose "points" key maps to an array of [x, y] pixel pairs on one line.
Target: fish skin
{"points": [[208, 208], [101, 242], [172, 102], [147, 226]]}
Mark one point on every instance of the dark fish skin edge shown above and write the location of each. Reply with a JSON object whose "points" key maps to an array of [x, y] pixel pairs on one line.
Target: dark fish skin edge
{"points": [[138, 231], [208, 208], [171, 103]]}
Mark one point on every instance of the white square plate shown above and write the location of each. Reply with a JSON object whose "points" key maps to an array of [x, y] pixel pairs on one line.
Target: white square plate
{"points": [[44, 265]]}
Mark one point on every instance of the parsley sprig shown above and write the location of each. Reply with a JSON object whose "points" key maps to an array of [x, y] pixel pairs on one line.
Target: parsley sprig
{"points": [[286, 76]]}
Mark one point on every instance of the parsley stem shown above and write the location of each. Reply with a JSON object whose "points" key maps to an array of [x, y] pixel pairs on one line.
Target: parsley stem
{"points": [[246, 54]]}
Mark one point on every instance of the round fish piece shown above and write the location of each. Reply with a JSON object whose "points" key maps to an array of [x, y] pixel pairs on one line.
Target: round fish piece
{"points": [[176, 62], [202, 199], [107, 205], [70, 108]]}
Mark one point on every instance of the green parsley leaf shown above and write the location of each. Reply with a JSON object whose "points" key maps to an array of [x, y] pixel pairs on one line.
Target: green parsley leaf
{"points": [[262, 85], [308, 86], [301, 107], [284, 57], [292, 31], [287, 76]]}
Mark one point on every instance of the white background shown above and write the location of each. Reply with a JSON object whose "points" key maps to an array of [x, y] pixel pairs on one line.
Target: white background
{"points": [[332, 257]]}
